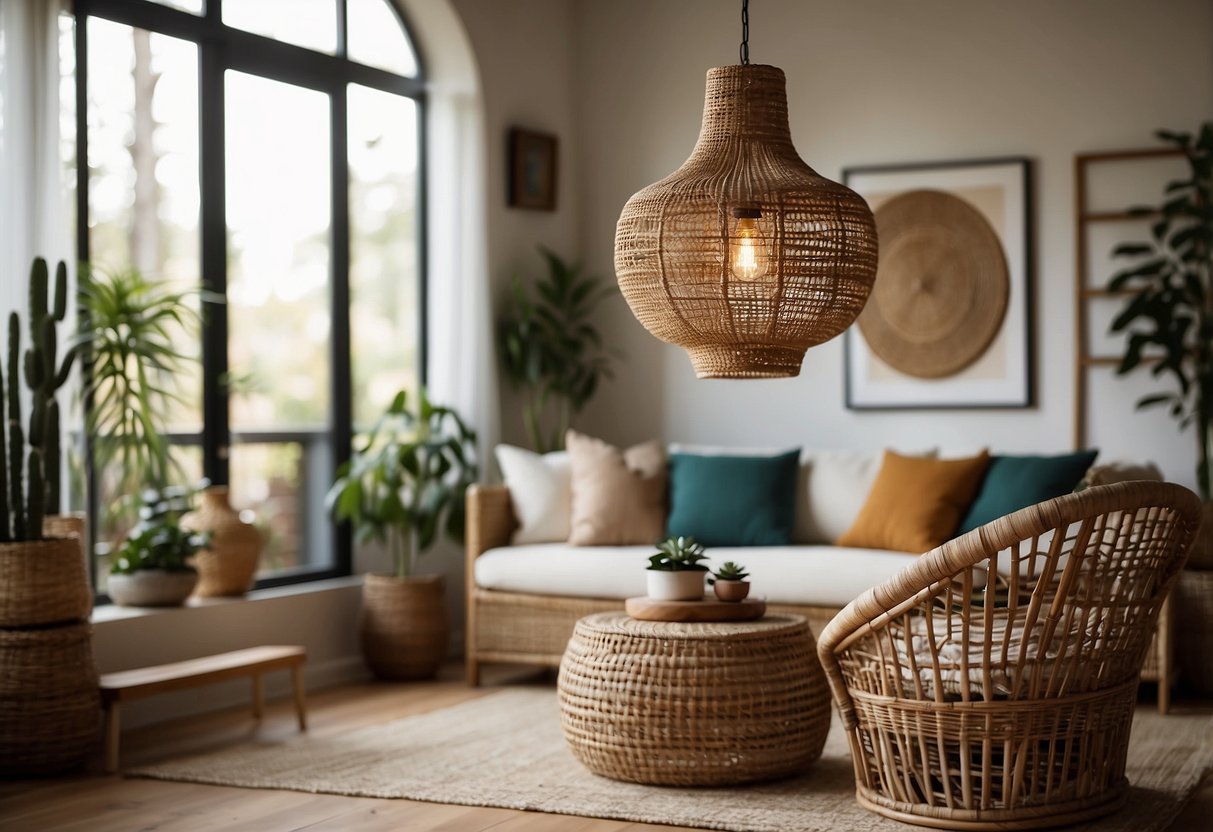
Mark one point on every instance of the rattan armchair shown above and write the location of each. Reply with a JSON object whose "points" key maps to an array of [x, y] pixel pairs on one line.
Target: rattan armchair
{"points": [[991, 684]]}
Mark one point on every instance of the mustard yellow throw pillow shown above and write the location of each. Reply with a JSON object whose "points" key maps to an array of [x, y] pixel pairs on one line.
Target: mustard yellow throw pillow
{"points": [[916, 503], [619, 497]]}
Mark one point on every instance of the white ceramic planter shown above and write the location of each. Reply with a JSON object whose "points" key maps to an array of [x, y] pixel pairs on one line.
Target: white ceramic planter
{"points": [[675, 586], [151, 588]]}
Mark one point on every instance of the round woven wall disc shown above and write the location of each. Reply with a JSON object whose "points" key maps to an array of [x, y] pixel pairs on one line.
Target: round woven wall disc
{"points": [[941, 285]]}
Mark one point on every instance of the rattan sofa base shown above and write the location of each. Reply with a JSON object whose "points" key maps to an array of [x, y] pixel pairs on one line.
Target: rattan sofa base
{"points": [[521, 628]]}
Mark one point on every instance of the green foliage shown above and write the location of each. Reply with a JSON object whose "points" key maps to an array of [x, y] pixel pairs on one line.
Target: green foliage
{"points": [[550, 348], [730, 571], [678, 554], [1169, 314], [157, 541], [408, 479], [130, 344], [30, 461]]}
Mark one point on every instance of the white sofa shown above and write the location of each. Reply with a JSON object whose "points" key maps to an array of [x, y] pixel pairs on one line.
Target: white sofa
{"points": [[523, 600]]}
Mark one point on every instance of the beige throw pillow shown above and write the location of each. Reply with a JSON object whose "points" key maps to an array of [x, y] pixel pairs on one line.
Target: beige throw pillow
{"points": [[619, 497]]}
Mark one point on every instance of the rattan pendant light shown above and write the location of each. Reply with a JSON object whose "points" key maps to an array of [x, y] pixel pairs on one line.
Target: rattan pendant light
{"points": [[745, 256]]}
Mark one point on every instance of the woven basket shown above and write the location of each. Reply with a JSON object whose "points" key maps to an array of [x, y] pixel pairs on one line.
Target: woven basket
{"points": [[403, 626], [43, 582], [1193, 599], [229, 565], [693, 704], [49, 701]]}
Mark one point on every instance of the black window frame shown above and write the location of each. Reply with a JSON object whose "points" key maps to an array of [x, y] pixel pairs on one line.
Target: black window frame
{"points": [[220, 48]]}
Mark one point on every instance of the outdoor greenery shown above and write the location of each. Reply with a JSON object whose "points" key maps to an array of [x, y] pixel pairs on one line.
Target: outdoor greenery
{"points": [[730, 571], [551, 349], [133, 356], [30, 461], [1169, 314], [678, 554], [157, 541], [407, 480]]}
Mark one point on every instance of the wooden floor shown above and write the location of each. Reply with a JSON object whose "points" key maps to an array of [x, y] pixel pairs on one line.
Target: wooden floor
{"points": [[96, 802]]}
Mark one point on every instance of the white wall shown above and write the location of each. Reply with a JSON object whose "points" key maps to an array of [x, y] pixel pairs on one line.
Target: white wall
{"points": [[526, 51], [869, 82]]}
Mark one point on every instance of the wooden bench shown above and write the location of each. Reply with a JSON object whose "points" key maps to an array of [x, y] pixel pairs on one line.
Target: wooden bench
{"points": [[142, 682]]}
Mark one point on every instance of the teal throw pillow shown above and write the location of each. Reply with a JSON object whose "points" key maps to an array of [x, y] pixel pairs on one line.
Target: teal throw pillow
{"points": [[733, 500], [1015, 482]]}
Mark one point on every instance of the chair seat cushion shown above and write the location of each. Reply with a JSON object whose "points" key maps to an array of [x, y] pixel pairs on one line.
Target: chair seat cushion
{"points": [[826, 576]]}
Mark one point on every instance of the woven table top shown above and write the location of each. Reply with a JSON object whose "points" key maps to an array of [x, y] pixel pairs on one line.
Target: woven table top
{"points": [[621, 622]]}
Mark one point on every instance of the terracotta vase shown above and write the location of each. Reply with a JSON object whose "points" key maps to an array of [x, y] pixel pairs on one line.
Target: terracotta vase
{"points": [[403, 625], [229, 565]]}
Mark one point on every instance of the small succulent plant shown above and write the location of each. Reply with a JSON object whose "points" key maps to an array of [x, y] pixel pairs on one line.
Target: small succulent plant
{"points": [[730, 571], [678, 554]]}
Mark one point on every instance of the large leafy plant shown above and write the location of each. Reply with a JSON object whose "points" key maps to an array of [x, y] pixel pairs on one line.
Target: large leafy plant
{"points": [[1169, 314], [134, 329], [552, 350], [407, 479]]}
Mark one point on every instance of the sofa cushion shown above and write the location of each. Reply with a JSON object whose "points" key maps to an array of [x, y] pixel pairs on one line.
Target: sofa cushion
{"points": [[541, 492], [729, 500], [619, 497], [916, 504], [825, 576], [1015, 482]]}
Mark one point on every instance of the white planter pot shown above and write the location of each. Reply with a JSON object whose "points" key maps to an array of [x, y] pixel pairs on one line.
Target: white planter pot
{"points": [[151, 588], [675, 586]]}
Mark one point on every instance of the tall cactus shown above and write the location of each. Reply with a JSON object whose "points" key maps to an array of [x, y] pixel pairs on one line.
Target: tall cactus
{"points": [[30, 483], [44, 375]]}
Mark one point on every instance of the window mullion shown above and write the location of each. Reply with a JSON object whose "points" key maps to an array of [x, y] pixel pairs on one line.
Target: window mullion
{"points": [[340, 355], [215, 417]]}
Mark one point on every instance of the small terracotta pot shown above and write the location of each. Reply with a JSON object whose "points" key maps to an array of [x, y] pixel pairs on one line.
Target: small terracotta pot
{"points": [[731, 590], [684, 585]]}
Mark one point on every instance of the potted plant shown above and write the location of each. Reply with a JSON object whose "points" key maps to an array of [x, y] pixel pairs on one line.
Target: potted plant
{"points": [[552, 351], [729, 582], [676, 573], [134, 363], [404, 484], [49, 699], [152, 566]]}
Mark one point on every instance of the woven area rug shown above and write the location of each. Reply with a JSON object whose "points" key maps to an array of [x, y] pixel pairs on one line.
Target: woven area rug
{"points": [[506, 750]]}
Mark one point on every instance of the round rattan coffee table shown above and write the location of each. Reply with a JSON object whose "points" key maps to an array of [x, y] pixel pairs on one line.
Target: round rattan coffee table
{"points": [[677, 704]]}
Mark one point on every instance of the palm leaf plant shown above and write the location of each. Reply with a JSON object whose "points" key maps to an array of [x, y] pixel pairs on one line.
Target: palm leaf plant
{"points": [[134, 328], [406, 481], [1169, 314], [551, 349]]}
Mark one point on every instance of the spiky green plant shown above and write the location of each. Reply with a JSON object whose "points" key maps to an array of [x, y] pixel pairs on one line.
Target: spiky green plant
{"points": [[30, 483], [134, 328], [730, 571], [678, 554]]}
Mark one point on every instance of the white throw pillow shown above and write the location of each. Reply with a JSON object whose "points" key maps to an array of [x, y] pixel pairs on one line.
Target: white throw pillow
{"points": [[832, 488], [541, 489]]}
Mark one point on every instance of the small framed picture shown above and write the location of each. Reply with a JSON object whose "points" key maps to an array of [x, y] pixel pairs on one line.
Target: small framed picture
{"points": [[532, 170]]}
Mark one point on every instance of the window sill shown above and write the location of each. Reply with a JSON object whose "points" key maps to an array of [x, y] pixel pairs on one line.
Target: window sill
{"points": [[113, 612]]}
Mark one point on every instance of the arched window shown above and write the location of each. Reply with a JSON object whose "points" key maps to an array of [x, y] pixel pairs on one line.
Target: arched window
{"points": [[269, 151]]}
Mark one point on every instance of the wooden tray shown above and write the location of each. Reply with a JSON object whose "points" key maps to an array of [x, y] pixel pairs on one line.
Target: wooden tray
{"points": [[707, 609]]}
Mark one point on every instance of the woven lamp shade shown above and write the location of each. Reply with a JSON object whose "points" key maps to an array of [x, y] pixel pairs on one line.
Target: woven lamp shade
{"points": [[674, 238]]}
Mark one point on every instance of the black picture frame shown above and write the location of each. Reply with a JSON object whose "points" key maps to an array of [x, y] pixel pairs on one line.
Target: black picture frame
{"points": [[532, 170]]}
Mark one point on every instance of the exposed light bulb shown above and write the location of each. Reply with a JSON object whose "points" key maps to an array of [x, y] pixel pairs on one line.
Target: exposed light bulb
{"points": [[747, 249]]}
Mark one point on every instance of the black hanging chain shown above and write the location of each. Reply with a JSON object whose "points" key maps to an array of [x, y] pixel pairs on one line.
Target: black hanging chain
{"points": [[745, 32]]}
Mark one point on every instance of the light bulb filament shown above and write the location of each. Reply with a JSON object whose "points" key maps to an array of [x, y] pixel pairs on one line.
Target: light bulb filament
{"points": [[747, 248]]}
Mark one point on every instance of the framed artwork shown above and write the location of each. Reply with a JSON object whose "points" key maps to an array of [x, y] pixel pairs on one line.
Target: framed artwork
{"points": [[949, 320], [532, 166]]}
